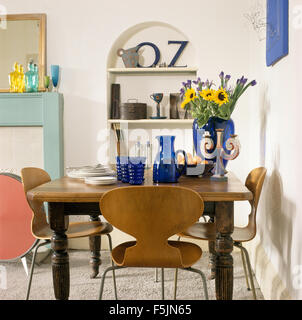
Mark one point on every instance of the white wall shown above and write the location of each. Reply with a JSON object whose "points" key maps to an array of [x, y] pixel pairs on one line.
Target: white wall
{"points": [[274, 121]]}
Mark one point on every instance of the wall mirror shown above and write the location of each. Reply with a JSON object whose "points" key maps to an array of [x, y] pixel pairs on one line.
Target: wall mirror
{"points": [[22, 39]]}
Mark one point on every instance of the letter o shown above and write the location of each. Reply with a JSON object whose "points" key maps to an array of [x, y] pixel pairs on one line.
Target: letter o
{"points": [[156, 50]]}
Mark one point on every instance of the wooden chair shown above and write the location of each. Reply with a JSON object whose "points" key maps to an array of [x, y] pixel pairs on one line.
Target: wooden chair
{"points": [[207, 231], [152, 214], [33, 177]]}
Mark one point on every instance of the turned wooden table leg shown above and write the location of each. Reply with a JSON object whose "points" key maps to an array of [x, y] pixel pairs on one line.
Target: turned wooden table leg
{"points": [[59, 243], [224, 214], [95, 248]]}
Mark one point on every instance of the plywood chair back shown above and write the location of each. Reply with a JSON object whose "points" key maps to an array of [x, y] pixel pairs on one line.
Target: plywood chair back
{"points": [[254, 183], [152, 215], [31, 178]]}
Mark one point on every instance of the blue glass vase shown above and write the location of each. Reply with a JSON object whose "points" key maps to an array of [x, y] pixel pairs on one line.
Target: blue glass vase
{"points": [[55, 73], [211, 126], [165, 168]]}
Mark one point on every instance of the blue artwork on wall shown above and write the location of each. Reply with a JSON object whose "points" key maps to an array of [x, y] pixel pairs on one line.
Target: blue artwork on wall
{"points": [[277, 31]]}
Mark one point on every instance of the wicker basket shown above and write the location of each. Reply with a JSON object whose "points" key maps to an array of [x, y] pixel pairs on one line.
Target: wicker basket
{"points": [[133, 110]]}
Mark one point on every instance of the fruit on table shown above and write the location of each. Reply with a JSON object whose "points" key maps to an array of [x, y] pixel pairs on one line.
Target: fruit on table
{"points": [[190, 160]]}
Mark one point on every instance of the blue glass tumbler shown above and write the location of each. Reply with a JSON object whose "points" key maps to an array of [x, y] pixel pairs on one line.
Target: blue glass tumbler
{"points": [[55, 72], [124, 161], [136, 170], [118, 168]]}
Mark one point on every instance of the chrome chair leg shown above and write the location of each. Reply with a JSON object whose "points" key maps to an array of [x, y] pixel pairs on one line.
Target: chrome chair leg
{"points": [[113, 271], [33, 265], [250, 271], [103, 279], [162, 283], [244, 265], [175, 279], [204, 280], [156, 275], [24, 262], [175, 282]]}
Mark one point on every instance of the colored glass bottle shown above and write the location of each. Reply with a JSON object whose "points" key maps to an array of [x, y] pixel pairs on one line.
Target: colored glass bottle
{"points": [[36, 78], [29, 78]]}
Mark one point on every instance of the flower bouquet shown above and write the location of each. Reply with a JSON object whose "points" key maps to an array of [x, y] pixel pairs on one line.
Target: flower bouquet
{"points": [[205, 102]]}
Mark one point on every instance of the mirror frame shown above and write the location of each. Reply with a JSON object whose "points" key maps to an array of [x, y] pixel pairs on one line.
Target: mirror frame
{"points": [[42, 42]]}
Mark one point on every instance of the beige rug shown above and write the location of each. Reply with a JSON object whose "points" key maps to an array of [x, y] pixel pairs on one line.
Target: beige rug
{"points": [[133, 284]]}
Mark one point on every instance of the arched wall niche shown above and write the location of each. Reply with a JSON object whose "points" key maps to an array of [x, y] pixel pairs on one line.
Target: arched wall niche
{"points": [[158, 33], [139, 85]]}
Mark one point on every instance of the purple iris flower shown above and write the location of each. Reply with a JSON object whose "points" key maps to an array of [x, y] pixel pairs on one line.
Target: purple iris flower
{"points": [[243, 81], [221, 76], [182, 92], [197, 81], [253, 83], [227, 77], [189, 83], [184, 84]]}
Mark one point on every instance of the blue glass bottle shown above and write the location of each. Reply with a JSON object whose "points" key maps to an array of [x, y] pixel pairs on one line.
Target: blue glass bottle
{"points": [[36, 78], [29, 78]]}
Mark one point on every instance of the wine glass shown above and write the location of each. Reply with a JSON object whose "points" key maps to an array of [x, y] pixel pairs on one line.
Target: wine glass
{"points": [[55, 71]]}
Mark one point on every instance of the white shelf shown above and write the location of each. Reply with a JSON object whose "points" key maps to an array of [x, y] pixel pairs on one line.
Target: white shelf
{"points": [[152, 70], [151, 121]]}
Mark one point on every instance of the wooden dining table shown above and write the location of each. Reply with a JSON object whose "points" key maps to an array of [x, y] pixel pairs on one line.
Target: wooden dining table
{"points": [[68, 196]]}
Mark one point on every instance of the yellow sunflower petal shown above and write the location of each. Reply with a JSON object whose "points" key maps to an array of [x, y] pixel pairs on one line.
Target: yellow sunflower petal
{"points": [[207, 94], [221, 97]]}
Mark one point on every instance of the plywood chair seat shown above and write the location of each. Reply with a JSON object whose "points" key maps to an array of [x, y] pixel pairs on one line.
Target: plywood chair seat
{"points": [[189, 253], [207, 231], [77, 230]]}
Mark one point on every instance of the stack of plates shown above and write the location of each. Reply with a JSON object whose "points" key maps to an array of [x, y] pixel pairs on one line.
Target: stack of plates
{"points": [[91, 172], [100, 180]]}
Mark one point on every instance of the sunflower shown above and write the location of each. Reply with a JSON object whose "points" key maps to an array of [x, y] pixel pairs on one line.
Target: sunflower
{"points": [[221, 97], [207, 94], [190, 95]]}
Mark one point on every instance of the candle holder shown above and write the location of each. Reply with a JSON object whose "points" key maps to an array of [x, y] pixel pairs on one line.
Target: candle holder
{"points": [[232, 145]]}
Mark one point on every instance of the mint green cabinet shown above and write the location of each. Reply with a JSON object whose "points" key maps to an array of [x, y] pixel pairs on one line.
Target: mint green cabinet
{"points": [[42, 110]]}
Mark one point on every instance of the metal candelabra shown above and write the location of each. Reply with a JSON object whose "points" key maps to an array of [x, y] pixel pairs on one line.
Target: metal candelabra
{"points": [[232, 145]]}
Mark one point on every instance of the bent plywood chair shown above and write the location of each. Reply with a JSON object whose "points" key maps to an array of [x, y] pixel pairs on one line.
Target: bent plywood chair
{"points": [[152, 214], [33, 177], [207, 231]]}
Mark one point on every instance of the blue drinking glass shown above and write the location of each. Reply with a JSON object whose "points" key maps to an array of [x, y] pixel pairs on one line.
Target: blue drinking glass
{"points": [[124, 161], [136, 170], [118, 168], [55, 72]]}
